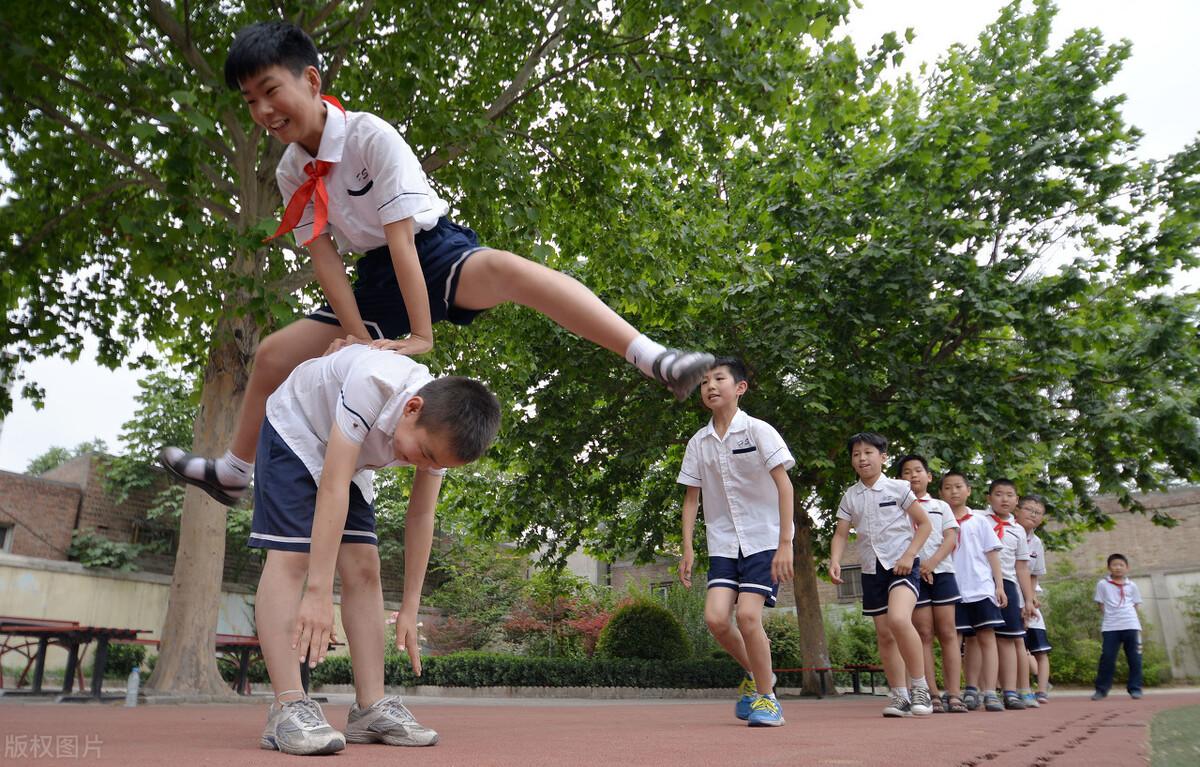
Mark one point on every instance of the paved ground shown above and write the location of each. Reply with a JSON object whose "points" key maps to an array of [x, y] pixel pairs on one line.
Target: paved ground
{"points": [[847, 731]]}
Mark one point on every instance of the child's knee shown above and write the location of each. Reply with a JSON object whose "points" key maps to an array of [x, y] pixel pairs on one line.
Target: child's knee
{"points": [[749, 622], [360, 569]]}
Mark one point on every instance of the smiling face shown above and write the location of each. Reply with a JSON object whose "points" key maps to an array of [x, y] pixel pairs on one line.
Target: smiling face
{"points": [[1030, 514], [719, 390], [418, 446], [867, 461], [287, 105]]}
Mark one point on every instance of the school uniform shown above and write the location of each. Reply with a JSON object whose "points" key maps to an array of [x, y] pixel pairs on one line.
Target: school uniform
{"points": [[879, 515], [944, 589], [1120, 628], [739, 500], [1036, 641], [373, 179], [359, 391], [973, 573], [1015, 549]]}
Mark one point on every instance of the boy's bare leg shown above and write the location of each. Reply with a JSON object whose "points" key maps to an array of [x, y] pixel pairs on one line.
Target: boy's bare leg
{"points": [[973, 662], [947, 634], [718, 614], [922, 619], [362, 618], [985, 641], [889, 654], [276, 604], [901, 601], [754, 638], [1022, 664], [1043, 671], [1006, 651]]}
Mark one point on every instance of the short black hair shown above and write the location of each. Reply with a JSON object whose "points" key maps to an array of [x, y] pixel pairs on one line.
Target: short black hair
{"points": [[995, 483], [1121, 557], [737, 368], [266, 44], [877, 441], [911, 457], [1039, 500], [464, 411], [955, 473]]}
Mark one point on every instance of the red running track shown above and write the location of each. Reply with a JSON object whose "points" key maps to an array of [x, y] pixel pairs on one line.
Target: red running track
{"points": [[846, 731]]}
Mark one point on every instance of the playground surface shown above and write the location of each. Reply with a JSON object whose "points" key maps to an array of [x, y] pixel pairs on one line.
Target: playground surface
{"points": [[845, 731]]}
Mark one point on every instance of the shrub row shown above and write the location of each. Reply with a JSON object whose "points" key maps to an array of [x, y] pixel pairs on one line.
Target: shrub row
{"points": [[476, 669]]}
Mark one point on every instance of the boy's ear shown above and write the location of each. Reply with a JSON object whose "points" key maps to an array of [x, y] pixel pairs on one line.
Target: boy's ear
{"points": [[413, 407], [741, 388], [313, 78]]}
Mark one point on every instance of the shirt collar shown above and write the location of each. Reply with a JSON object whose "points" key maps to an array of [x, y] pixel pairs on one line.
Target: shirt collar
{"points": [[333, 137], [739, 422]]}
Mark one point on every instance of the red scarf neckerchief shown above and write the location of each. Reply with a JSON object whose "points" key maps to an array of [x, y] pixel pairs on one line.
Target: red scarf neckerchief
{"points": [[1120, 587], [1001, 524], [312, 189]]}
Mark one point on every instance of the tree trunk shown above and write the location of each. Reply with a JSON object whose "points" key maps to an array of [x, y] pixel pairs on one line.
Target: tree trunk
{"points": [[187, 662], [808, 604]]}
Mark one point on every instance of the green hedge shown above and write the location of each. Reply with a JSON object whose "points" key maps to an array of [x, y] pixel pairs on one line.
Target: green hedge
{"points": [[477, 669]]}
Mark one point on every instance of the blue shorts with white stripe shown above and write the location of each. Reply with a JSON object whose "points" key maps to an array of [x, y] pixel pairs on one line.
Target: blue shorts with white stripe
{"points": [[744, 574]]}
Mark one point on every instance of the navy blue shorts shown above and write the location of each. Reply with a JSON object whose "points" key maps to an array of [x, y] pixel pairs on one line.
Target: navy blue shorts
{"points": [[285, 500], [1036, 641], [442, 252], [971, 616], [750, 574], [1014, 624], [943, 591], [877, 587]]}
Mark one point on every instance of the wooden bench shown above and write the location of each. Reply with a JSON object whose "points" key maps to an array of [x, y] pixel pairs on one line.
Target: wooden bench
{"points": [[69, 635], [825, 675]]}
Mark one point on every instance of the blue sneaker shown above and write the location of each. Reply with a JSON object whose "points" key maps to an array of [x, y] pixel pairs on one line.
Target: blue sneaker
{"points": [[748, 692], [765, 712]]}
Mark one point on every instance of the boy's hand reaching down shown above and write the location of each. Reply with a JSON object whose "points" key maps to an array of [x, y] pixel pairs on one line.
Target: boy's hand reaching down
{"points": [[411, 346]]}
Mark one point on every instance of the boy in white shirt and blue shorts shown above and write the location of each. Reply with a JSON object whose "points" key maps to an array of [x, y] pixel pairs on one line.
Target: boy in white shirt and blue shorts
{"points": [[892, 527], [737, 466], [1031, 509]]}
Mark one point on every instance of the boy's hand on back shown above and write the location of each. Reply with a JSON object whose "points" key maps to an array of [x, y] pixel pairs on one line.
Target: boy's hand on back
{"points": [[342, 343], [781, 565], [835, 572], [314, 627], [410, 347]]}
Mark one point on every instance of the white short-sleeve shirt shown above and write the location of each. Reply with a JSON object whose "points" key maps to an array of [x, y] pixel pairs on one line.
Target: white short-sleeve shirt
{"points": [[376, 179], [360, 390], [972, 570], [1037, 555], [879, 515], [1016, 549], [737, 493], [1119, 601], [942, 519]]}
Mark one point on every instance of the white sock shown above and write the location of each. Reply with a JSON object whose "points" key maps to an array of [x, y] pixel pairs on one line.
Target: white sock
{"points": [[919, 681], [232, 470], [902, 692], [642, 352]]}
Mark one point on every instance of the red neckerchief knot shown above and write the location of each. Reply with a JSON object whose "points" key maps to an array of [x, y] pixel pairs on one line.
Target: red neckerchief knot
{"points": [[313, 189], [1121, 588]]}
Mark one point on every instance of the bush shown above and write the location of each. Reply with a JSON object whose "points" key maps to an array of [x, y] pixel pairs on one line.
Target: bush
{"points": [[122, 657], [786, 642], [850, 636], [687, 604], [644, 629]]}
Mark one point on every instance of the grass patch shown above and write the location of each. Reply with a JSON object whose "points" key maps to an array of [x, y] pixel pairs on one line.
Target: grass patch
{"points": [[1175, 738]]}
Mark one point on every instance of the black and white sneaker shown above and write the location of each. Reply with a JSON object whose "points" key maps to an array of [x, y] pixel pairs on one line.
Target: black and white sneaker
{"points": [[898, 706], [922, 704], [178, 462], [681, 371]]}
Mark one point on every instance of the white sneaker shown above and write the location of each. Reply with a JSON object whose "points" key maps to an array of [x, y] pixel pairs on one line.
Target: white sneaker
{"points": [[922, 704], [681, 371], [299, 727], [387, 721]]}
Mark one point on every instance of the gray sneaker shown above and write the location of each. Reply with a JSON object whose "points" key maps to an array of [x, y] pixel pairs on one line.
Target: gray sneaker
{"points": [[387, 721], [299, 727], [922, 703], [898, 705], [681, 371]]}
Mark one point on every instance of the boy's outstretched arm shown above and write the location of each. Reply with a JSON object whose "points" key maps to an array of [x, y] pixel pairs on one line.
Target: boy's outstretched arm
{"points": [[836, 547], [418, 541], [781, 565], [331, 274], [411, 279], [314, 622], [691, 504]]}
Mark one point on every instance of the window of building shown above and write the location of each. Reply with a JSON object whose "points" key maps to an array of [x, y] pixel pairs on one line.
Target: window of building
{"points": [[850, 589], [6, 536]]}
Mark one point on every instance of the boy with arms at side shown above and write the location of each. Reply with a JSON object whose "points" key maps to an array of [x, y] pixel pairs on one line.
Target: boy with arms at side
{"points": [[738, 465], [935, 610], [1031, 509], [354, 185], [981, 585], [1014, 565], [892, 527], [334, 420], [1120, 627]]}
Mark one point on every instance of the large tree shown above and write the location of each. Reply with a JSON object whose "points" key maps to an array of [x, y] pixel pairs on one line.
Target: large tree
{"points": [[139, 192]]}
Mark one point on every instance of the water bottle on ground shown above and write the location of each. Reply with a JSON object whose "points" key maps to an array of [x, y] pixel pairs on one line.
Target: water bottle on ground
{"points": [[131, 687]]}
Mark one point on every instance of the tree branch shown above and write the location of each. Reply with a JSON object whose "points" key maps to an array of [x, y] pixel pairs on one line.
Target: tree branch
{"points": [[293, 281], [339, 55], [319, 18], [166, 23], [83, 203]]}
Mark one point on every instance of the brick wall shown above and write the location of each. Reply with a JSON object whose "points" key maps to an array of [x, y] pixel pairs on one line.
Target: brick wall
{"points": [[41, 513]]}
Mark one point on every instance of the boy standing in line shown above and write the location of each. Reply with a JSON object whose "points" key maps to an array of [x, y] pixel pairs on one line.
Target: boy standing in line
{"points": [[738, 465], [1031, 510], [332, 422], [935, 610], [1120, 627], [1014, 565], [981, 584], [892, 527], [354, 185]]}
